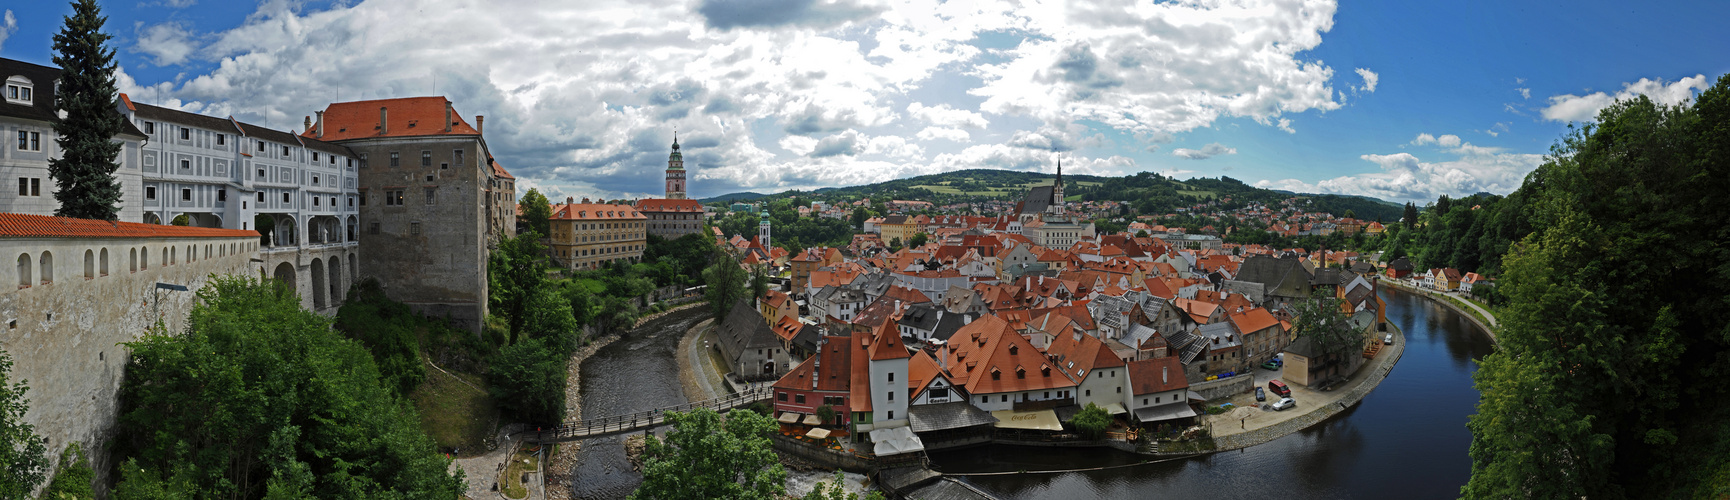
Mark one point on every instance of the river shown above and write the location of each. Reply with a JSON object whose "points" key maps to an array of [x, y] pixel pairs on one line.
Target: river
{"points": [[1407, 439], [635, 373]]}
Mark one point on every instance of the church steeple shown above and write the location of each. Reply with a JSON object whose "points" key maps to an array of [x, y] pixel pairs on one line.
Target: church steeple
{"points": [[676, 171], [1057, 187]]}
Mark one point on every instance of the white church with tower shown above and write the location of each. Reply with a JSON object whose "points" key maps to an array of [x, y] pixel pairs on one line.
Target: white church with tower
{"points": [[1046, 220]]}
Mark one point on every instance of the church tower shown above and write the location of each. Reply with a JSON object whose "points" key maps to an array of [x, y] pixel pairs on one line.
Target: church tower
{"points": [[763, 231], [676, 172], [1057, 203]]}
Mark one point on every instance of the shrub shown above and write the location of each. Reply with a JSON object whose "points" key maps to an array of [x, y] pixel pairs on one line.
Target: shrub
{"points": [[1091, 421], [528, 380]]}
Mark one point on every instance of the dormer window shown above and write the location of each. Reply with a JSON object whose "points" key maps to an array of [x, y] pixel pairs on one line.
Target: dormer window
{"points": [[20, 90], [1013, 350], [1020, 373]]}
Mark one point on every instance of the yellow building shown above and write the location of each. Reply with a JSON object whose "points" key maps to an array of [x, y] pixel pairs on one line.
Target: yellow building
{"points": [[592, 235]]}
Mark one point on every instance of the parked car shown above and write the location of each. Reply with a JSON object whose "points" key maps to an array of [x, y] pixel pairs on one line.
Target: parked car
{"points": [[1271, 365], [1278, 387], [1260, 395], [1284, 403], [1388, 339]]}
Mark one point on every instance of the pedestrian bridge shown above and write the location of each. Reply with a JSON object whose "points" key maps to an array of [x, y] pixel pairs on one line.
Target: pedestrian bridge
{"points": [[620, 424]]}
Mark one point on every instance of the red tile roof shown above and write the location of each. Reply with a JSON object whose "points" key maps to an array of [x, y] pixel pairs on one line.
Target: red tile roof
{"points": [[595, 211], [408, 117], [41, 226], [660, 205], [1148, 376]]}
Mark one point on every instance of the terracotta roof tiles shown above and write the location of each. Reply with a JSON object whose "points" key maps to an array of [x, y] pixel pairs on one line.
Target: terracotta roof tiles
{"points": [[41, 226]]}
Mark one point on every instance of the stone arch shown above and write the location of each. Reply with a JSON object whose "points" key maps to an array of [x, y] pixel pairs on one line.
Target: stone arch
{"points": [[24, 265], [89, 264], [152, 218], [284, 273], [336, 287], [104, 263], [318, 285], [47, 267], [352, 224]]}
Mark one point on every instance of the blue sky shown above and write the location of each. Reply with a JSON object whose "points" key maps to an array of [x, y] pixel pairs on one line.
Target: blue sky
{"points": [[582, 97]]}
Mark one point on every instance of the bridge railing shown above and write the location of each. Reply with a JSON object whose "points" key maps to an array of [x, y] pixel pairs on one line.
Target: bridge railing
{"points": [[648, 418]]}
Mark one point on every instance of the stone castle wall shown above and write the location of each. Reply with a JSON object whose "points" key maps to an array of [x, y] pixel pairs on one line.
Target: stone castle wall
{"points": [[65, 336]]}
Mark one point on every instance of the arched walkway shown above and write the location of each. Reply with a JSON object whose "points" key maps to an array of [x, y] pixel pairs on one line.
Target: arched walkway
{"points": [[336, 281], [285, 274], [318, 285]]}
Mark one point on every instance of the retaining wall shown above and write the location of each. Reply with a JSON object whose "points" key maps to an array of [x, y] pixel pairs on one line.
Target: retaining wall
{"points": [[827, 458], [1469, 315], [1378, 371], [1226, 387]]}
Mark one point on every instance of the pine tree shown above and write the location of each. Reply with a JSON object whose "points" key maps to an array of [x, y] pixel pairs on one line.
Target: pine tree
{"points": [[84, 172]]}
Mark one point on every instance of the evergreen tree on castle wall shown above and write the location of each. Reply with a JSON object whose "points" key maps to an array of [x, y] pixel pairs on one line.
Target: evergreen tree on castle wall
{"points": [[84, 172]]}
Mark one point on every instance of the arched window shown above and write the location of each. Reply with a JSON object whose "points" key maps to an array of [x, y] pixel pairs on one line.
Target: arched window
{"points": [[104, 260], [24, 271], [144, 257], [132, 261], [89, 264], [47, 268]]}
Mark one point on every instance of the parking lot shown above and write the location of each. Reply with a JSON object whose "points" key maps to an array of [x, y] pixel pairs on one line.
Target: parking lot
{"points": [[1307, 400]]}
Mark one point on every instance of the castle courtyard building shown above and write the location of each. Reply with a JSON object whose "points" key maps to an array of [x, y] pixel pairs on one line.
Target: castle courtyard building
{"points": [[593, 235]]}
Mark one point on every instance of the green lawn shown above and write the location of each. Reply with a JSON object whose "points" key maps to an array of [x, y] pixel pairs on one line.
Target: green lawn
{"points": [[454, 414]]}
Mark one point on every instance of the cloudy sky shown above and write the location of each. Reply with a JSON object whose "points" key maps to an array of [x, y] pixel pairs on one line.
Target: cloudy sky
{"points": [[1399, 100]]}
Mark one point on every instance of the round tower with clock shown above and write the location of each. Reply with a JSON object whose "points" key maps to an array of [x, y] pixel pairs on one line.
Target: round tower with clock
{"points": [[676, 172]]}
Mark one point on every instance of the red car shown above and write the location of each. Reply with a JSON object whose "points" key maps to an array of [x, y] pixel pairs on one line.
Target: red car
{"points": [[1279, 388]]}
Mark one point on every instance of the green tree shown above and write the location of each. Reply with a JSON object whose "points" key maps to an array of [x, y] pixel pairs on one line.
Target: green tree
{"points": [[528, 380], [706, 456], [23, 459], [918, 240], [725, 282], [1322, 320], [516, 277], [1410, 216], [74, 478], [259, 397], [1091, 421], [387, 329], [536, 211], [84, 172], [859, 216], [1615, 336], [759, 281]]}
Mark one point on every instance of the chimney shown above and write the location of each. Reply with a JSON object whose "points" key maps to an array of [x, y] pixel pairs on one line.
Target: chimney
{"points": [[585, 199], [320, 124], [480, 123], [308, 124], [383, 121], [447, 116], [570, 200]]}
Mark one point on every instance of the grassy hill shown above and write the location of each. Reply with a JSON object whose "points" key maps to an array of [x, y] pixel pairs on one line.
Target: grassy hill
{"points": [[1148, 192]]}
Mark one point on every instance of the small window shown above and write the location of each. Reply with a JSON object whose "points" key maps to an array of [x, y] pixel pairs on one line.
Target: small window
{"points": [[315, 156], [799, 398], [395, 159], [285, 151], [149, 127], [414, 228], [315, 201], [781, 396], [186, 195], [222, 195], [372, 229], [430, 194], [23, 186], [185, 164], [261, 196], [315, 180], [221, 138], [185, 134], [150, 192], [426, 158], [261, 175], [261, 146], [285, 197]]}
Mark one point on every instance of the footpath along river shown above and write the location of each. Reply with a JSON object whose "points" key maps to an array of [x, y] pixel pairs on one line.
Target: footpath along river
{"points": [[1408, 439]]}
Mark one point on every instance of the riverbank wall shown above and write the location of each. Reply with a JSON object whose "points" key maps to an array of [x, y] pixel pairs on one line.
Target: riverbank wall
{"points": [[1446, 302]]}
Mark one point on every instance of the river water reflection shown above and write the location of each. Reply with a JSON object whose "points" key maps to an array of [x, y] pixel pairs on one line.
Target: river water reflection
{"points": [[635, 373], [1408, 439]]}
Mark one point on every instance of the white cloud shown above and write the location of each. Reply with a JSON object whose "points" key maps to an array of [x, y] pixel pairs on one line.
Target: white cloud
{"points": [[167, 43], [1370, 80], [1446, 140], [1405, 177], [1574, 108], [945, 116], [944, 133], [1525, 93], [1208, 151], [8, 25], [582, 97]]}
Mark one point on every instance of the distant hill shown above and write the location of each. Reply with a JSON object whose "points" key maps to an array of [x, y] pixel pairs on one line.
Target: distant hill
{"points": [[1148, 192]]}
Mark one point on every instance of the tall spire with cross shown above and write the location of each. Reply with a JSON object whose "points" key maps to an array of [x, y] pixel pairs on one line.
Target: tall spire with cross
{"points": [[676, 171]]}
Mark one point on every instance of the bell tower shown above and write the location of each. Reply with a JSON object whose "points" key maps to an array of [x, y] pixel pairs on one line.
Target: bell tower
{"points": [[676, 172]]}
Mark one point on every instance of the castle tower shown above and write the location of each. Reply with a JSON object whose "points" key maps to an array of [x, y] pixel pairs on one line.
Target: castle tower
{"points": [[763, 231], [676, 172]]}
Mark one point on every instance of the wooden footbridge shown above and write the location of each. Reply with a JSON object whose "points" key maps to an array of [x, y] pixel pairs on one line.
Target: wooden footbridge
{"points": [[619, 424]]}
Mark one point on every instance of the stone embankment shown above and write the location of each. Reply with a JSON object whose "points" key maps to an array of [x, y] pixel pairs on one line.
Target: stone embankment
{"points": [[1448, 302]]}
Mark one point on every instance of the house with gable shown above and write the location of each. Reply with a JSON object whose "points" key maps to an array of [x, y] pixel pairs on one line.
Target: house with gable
{"points": [[1100, 371], [1158, 391]]}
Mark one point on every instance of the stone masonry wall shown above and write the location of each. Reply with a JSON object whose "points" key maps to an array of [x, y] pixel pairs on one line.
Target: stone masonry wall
{"points": [[65, 336]]}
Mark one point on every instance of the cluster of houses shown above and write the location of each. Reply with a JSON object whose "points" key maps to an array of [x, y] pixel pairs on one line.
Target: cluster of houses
{"points": [[981, 330], [1444, 279]]}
